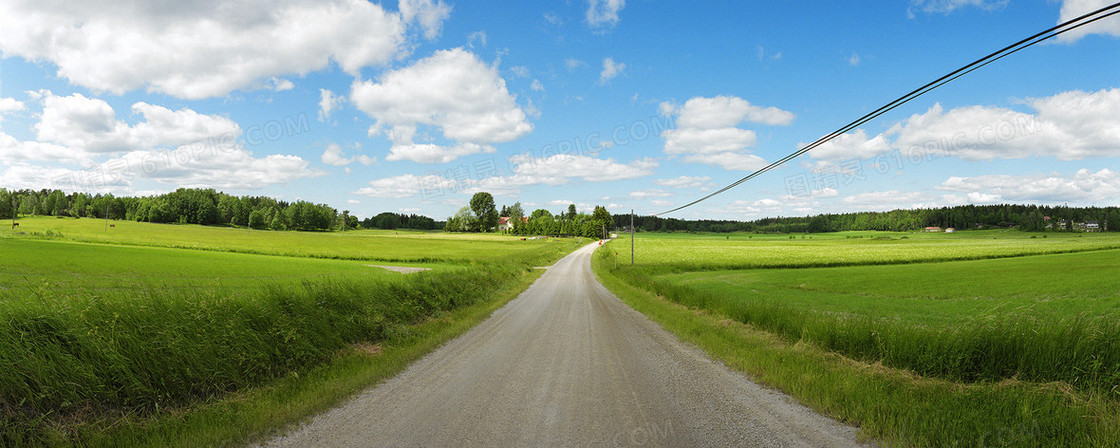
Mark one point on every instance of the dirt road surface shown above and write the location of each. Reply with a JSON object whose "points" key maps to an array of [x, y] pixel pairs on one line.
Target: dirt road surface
{"points": [[568, 364]]}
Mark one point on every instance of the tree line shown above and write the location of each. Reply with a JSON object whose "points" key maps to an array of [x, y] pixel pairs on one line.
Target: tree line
{"points": [[196, 206], [482, 215], [1024, 217]]}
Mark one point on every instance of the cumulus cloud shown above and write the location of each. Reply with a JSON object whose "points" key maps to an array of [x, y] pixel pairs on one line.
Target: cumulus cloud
{"points": [[707, 131], [1072, 9], [683, 181], [886, 200], [406, 185], [853, 145], [604, 13], [650, 193], [8, 105], [1072, 125], [334, 156], [204, 48], [429, 14], [611, 69], [1082, 187], [89, 125], [947, 6], [453, 91], [561, 169], [178, 147], [328, 102]]}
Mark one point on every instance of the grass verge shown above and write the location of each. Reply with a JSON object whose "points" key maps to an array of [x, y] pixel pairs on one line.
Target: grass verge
{"points": [[893, 406], [259, 413]]}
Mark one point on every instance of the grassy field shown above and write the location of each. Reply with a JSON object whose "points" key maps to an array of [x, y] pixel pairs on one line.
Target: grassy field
{"points": [[118, 336], [370, 245], [1014, 330]]}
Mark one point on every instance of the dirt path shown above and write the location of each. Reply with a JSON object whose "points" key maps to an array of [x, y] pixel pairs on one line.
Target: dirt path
{"points": [[568, 364]]}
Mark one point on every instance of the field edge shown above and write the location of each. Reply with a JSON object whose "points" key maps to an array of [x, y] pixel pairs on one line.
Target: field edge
{"points": [[890, 406], [258, 414]]}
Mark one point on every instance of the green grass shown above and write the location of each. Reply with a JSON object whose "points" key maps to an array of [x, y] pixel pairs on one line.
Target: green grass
{"points": [[1043, 324], [894, 407], [96, 337], [369, 245], [715, 252], [59, 268]]}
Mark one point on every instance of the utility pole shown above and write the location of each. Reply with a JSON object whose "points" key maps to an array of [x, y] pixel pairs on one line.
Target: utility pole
{"points": [[631, 237]]}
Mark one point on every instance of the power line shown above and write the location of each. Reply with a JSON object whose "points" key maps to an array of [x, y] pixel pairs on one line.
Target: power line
{"points": [[1061, 28]]}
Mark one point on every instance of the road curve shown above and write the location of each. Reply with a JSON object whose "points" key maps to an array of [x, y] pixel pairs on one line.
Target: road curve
{"points": [[568, 364]]}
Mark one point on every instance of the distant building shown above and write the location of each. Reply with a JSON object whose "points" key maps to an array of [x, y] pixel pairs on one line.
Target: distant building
{"points": [[505, 223], [933, 229], [950, 230], [1091, 226]]}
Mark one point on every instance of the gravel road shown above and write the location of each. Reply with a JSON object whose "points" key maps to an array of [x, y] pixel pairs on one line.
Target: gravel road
{"points": [[568, 364]]}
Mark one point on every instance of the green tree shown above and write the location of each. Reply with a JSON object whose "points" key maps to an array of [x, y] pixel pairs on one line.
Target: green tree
{"points": [[482, 204], [6, 207], [387, 220], [257, 219], [571, 211]]}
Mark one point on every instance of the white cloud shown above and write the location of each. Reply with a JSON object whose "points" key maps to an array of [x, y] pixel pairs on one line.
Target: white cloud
{"points": [[89, 126], [519, 71], [603, 13], [729, 161], [177, 147], [885, 200], [451, 90], [333, 155], [685, 140], [1072, 125], [329, 102], [947, 6], [650, 193], [573, 63], [660, 203], [1072, 9], [406, 185], [8, 105], [281, 84], [1084, 187], [725, 111], [537, 86], [611, 69], [683, 181], [707, 131], [853, 145], [353, 201], [203, 49], [477, 36], [430, 15], [432, 153], [854, 60], [560, 169]]}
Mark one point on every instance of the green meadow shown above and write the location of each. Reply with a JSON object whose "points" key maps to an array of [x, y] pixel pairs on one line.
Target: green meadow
{"points": [[371, 245], [145, 334], [954, 338]]}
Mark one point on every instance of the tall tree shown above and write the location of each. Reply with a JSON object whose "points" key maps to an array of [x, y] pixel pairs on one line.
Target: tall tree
{"points": [[482, 204], [571, 211]]}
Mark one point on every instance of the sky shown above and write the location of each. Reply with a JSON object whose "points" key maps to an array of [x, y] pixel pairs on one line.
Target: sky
{"points": [[643, 105]]}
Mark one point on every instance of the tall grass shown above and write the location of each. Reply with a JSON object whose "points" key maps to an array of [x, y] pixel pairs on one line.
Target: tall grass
{"points": [[1076, 349], [96, 352]]}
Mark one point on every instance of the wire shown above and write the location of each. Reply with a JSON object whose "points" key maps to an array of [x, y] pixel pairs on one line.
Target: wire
{"points": [[1061, 28]]}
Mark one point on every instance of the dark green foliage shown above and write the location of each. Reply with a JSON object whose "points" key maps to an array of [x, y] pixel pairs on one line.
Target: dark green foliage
{"points": [[1025, 217]]}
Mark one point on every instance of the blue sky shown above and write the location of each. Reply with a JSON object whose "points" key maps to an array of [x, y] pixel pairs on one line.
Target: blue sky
{"points": [[643, 105]]}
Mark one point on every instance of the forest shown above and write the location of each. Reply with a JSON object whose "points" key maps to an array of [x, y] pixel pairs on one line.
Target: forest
{"points": [[1023, 217]]}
